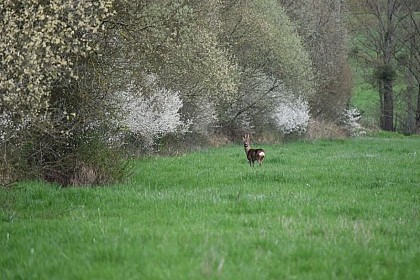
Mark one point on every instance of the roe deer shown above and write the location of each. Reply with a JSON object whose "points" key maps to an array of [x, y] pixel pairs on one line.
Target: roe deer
{"points": [[253, 154]]}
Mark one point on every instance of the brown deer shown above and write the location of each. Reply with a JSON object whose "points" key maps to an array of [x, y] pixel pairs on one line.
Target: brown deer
{"points": [[252, 154]]}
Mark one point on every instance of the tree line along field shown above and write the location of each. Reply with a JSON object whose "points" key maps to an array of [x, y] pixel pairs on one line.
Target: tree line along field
{"points": [[79, 80], [346, 209]]}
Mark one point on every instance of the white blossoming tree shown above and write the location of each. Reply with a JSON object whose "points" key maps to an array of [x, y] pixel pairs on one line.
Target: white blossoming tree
{"points": [[292, 115], [350, 121], [152, 111]]}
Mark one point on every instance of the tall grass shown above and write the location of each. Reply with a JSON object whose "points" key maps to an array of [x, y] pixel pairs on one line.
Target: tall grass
{"points": [[318, 210]]}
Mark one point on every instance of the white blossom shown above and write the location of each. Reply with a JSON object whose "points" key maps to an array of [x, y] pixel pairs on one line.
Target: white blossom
{"points": [[152, 114], [350, 121], [292, 115]]}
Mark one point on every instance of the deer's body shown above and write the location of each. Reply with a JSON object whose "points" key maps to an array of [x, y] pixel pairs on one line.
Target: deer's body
{"points": [[253, 154]]}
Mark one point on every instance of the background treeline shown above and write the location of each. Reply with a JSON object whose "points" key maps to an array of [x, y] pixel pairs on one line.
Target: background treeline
{"points": [[84, 84], [385, 44]]}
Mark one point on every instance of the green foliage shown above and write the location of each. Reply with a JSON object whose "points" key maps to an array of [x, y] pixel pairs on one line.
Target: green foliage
{"points": [[272, 62], [317, 210], [384, 73], [177, 41], [96, 164], [322, 26], [263, 38]]}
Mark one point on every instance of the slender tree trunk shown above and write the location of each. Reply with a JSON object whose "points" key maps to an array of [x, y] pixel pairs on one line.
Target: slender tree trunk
{"points": [[381, 104], [409, 96], [388, 110], [387, 75], [418, 111]]}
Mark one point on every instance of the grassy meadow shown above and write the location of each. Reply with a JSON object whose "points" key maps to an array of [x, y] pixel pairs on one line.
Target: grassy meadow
{"points": [[345, 209]]}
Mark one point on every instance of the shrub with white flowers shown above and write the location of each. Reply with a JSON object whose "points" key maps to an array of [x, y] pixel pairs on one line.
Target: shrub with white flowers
{"points": [[350, 120], [152, 113], [9, 130], [292, 115], [5, 126]]}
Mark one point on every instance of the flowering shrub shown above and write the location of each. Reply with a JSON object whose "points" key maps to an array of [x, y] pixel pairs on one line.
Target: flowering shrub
{"points": [[39, 43], [6, 128], [349, 120], [152, 114], [48, 50], [292, 115]]}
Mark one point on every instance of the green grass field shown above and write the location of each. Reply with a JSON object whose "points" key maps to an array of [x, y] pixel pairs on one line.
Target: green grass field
{"points": [[345, 209]]}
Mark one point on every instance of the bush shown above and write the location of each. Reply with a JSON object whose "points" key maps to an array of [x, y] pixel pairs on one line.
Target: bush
{"points": [[292, 115], [350, 121], [67, 158], [98, 164], [151, 112], [53, 93], [319, 129]]}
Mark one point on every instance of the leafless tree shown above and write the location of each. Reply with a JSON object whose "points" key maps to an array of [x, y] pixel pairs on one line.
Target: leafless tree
{"points": [[409, 58], [377, 23]]}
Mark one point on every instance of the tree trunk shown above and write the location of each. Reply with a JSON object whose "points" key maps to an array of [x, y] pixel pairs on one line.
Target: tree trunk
{"points": [[388, 110], [409, 126], [418, 112], [387, 75], [381, 104]]}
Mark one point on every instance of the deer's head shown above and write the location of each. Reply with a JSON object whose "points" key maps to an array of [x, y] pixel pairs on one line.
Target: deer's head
{"points": [[247, 141]]}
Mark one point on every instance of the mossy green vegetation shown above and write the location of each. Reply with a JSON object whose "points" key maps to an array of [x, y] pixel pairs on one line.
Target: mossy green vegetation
{"points": [[346, 209]]}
